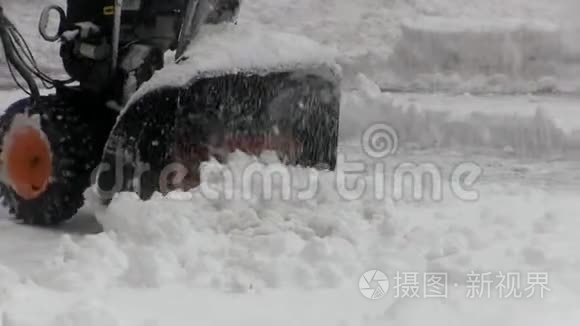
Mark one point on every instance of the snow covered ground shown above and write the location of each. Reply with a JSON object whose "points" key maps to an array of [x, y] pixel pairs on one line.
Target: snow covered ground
{"points": [[497, 218], [293, 260], [188, 261]]}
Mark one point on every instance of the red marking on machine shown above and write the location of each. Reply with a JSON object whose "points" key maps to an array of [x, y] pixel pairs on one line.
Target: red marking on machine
{"points": [[254, 145], [287, 147]]}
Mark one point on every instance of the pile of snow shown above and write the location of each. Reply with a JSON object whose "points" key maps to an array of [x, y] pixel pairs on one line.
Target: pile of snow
{"points": [[371, 26], [523, 135], [477, 56], [167, 260], [477, 46], [226, 241]]}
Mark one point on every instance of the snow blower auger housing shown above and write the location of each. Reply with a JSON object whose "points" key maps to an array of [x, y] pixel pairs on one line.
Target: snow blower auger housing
{"points": [[235, 88]]}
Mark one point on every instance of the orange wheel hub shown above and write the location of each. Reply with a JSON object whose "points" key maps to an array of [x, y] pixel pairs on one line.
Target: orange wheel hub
{"points": [[27, 161]]}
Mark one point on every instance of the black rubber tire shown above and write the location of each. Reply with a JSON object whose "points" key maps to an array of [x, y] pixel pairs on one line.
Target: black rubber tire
{"points": [[77, 134]]}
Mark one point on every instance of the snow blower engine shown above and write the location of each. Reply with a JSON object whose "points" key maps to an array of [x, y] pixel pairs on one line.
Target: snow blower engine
{"points": [[130, 119]]}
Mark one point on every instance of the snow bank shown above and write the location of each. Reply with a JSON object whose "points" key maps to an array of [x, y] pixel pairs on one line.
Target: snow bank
{"points": [[469, 45], [504, 133], [438, 54], [235, 245]]}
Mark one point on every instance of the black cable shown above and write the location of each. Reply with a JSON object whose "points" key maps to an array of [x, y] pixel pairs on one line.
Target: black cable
{"points": [[13, 61], [15, 79], [21, 52], [25, 54]]}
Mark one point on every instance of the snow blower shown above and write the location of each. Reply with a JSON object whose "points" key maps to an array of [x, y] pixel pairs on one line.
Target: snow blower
{"points": [[233, 88]]}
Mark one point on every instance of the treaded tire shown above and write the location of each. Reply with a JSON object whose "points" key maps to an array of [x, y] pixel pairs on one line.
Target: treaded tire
{"points": [[77, 130]]}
